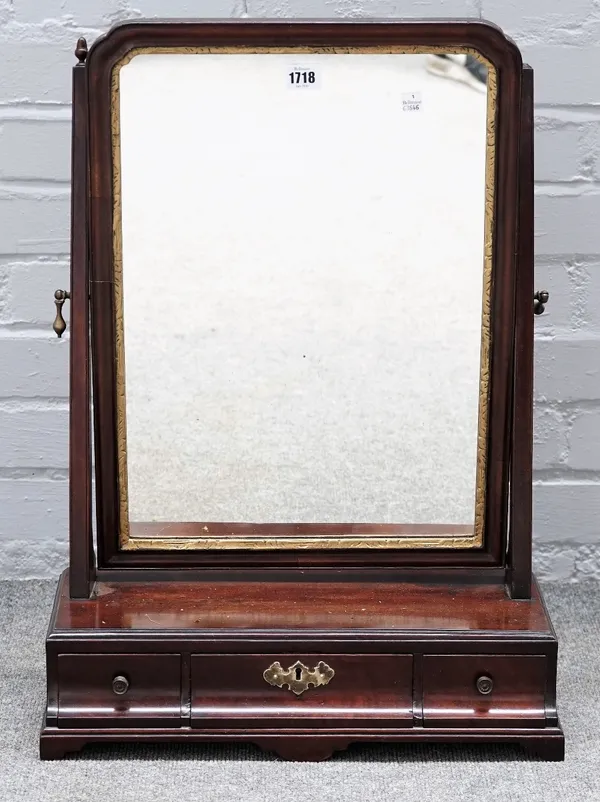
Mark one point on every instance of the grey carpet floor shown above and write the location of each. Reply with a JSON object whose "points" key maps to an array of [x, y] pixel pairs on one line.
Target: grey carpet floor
{"points": [[231, 773]]}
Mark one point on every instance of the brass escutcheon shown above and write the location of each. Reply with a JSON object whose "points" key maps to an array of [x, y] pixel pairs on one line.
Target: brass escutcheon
{"points": [[298, 677]]}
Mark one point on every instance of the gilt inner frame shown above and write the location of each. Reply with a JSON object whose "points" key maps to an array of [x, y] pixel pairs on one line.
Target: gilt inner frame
{"points": [[418, 536]]}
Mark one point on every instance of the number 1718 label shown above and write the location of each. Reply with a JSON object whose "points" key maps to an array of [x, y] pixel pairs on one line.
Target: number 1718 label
{"points": [[300, 78]]}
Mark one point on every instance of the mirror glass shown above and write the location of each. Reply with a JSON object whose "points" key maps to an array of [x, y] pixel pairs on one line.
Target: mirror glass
{"points": [[303, 279]]}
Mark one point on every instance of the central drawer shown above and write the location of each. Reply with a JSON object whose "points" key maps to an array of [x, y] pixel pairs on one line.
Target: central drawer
{"points": [[300, 690]]}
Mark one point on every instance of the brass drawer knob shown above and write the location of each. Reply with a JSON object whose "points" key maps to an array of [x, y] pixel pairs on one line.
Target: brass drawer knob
{"points": [[485, 685], [120, 685], [298, 677]]}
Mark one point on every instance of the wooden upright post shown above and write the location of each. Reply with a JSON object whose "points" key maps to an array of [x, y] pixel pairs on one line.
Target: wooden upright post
{"points": [[521, 468], [81, 548]]}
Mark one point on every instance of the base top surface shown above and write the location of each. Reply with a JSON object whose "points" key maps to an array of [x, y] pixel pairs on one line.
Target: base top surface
{"points": [[300, 605]]}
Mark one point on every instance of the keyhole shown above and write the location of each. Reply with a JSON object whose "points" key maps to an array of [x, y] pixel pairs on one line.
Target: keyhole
{"points": [[298, 673]]}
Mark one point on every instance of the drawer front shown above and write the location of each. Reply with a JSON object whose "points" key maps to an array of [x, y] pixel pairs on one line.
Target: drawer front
{"points": [[119, 690], [299, 690], [484, 690]]}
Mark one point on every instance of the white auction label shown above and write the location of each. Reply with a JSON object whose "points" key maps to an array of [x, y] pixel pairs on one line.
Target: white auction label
{"points": [[412, 101]]}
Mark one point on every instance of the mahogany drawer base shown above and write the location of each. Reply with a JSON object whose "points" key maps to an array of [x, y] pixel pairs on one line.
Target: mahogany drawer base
{"points": [[547, 745], [303, 692]]}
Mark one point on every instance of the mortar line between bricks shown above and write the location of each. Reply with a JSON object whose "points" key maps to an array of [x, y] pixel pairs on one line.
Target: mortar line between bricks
{"points": [[562, 333], [555, 404], [44, 190], [567, 189], [23, 474], [35, 112], [568, 107], [573, 336], [43, 333], [565, 477], [27, 258], [563, 119], [11, 182], [20, 326], [582, 260], [16, 404]]}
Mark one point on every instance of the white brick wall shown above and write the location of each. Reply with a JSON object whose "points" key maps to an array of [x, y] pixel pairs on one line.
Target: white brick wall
{"points": [[37, 39], [39, 139]]}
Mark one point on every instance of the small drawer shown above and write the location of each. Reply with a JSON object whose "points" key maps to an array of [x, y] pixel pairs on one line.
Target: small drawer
{"points": [[119, 690], [301, 690], [484, 690]]}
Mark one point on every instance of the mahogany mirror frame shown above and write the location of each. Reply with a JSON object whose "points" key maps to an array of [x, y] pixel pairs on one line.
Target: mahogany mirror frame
{"points": [[505, 556]]}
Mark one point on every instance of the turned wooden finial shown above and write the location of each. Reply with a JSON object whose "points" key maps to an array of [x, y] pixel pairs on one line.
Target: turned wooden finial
{"points": [[81, 50]]}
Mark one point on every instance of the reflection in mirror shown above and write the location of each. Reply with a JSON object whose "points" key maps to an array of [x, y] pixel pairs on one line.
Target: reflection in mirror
{"points": [[302, 280]]}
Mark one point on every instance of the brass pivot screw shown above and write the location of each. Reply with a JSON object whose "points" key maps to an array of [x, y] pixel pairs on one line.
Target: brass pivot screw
{"points": [[540, 299], [485, 685], [59, 325]]}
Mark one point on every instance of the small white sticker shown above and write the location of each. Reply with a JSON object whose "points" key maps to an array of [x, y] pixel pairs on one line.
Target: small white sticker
{"points": [[303, 78], [411, 101]]}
